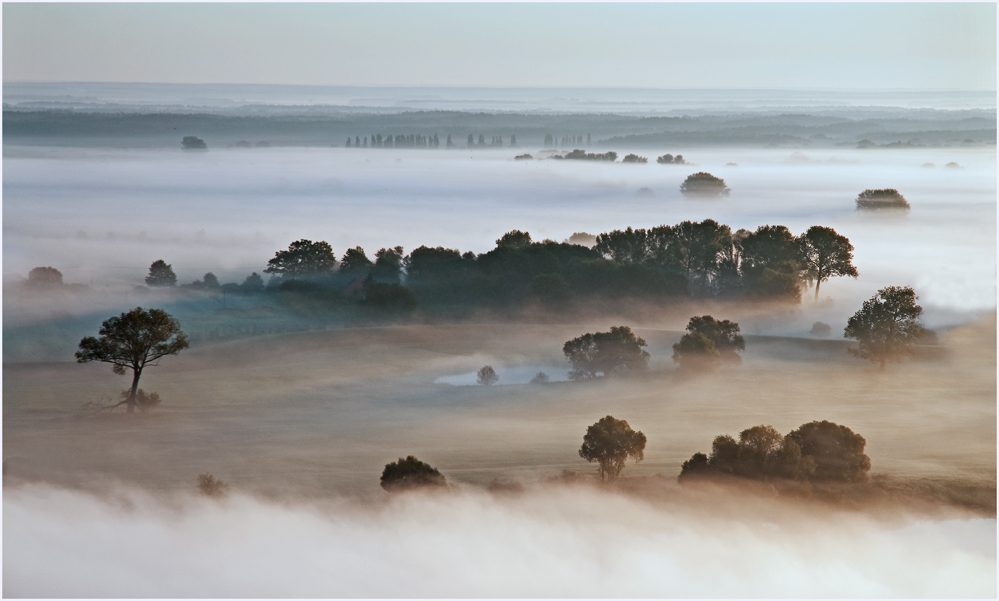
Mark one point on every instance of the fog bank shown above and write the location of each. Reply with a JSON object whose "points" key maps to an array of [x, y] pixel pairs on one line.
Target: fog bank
{"points": [[572, 542]]}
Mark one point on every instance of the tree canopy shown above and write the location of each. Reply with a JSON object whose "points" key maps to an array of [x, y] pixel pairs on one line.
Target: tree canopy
{"points": [[161, 274], [838, 453], [410, 473], [887, 198], [486, 376], [704, 184], [707, 342], [887, 326], [355, 262], [610, 442], [45, 276], [605, 353], [825, 254], [134, 340], [304, 258]]}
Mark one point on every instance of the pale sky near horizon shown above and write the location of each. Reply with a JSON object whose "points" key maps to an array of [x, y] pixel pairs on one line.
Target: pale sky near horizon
{"points": [[695, 45]]}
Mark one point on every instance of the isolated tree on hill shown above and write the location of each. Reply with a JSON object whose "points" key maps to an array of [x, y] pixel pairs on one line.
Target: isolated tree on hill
{"points": [[161, 274], [838, 453], [605, 353], [134, 340], [610, 442], [45, 276], [887, 326], [825, 254], [410, 473], [355, 261], [304, 258], [486, 376], [703, 184]]}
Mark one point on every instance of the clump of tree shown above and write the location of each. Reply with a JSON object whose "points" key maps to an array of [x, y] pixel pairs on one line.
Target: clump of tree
{"points": [[410, 473], [212, 487], [304, 258], [161, 274], [820, 329], [887, 326], [387, 298], [703, 183], [486, 376], [540, 378], [816, 451], [134, 341], [610, 442], [582, 155], [193, 143], [668, 159], [605, 353], [887, 198], [523, 157], [634, 158], [707, 343], [44, 277], [770, 261]]}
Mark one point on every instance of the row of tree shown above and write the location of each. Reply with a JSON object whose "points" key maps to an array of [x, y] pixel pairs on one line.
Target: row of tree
{"points": [[421, 141], [551, 140]]}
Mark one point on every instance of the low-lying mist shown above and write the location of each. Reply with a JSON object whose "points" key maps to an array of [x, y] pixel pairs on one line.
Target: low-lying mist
{"points": [[546, 542]]}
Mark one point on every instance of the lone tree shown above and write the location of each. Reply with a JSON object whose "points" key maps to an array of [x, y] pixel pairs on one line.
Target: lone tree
{"points": [[605, 353], [410, 473], [825, 254], [703, 184], [707, 342], [610, 442], [134, 340], [887, 326], [486, 376], [304, 258], [887, 198], [44, 276], [161, 274]]}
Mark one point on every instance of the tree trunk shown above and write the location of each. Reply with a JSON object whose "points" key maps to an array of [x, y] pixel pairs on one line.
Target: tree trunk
{"points": [[130, 401], [817, 283]]}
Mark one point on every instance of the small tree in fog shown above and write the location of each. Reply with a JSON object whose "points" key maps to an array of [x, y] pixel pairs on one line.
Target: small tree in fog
{"points": [[724, 337], [409, 473], [193, 143], [210, 281], [825, 254], [605, 353], [304, 258], [820, 329], [212, 487], [610, 442], [887, 326], [134, 340], [703, 184], [887, 198], [253, 283], [486, 376], [696, 352], [161, 274], [540, 378], [44, 276]]}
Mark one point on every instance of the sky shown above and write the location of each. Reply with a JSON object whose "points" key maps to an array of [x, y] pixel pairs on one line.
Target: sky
{"points": [[694, 45]]}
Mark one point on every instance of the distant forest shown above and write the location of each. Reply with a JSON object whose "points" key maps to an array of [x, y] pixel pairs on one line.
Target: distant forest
{"points": [[331, 126]]}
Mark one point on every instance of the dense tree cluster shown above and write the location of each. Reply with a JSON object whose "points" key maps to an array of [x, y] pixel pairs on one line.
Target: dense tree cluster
{"points": [[634, 158], [552, 140], [668, 159], [707, 343], [605, 353], [888, 198], [582, 155], [817, 451]]}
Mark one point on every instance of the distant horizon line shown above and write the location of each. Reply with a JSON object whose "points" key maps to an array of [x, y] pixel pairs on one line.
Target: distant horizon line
{"points": [[491, 87]]}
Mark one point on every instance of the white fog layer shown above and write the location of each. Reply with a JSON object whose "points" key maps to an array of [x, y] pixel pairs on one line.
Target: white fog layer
{"points": [[563, 543]]}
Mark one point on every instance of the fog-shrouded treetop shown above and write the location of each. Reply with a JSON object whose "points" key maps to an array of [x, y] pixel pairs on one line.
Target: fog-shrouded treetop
{"points": [[161, 274], [304, 258], [825, 254], [605, 353], [887, 326], [884, 199], [703, 183], [610, 442], [45, 276], [410, 473]]}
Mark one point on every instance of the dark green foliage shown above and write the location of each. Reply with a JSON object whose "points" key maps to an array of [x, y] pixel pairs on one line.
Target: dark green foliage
{"points": [[704, 184], [161, 274], [696, 352], [634, 158], [304, 258], [610, 442], [583, 155], [761, 453], [388, 265], [514, 239], [388, 298], [550, 290], [253, 283], [887, 198], [886, 326], [410, 473], [193, 143], [486, 376], [770, 261], [134, 340], [605, 353], [825, 254], [724, 336], [44, 277], [837, 452], [355, 262]]}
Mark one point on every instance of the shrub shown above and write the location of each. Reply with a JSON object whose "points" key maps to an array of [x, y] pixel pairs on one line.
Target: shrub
{"points": [[211, 487], [410, 473], [704, 184], [888, 198], [634, 158]]}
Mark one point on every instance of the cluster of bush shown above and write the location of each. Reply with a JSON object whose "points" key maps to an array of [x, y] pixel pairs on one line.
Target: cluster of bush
{"points": [[582, 155], [887, 198], [668, 159]]}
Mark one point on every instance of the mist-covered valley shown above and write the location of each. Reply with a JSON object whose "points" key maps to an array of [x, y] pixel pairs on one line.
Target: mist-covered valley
{"points": [[298, 405]]}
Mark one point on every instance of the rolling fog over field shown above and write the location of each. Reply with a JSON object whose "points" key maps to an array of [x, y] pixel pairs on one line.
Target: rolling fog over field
{"points": [[299, 412]]}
